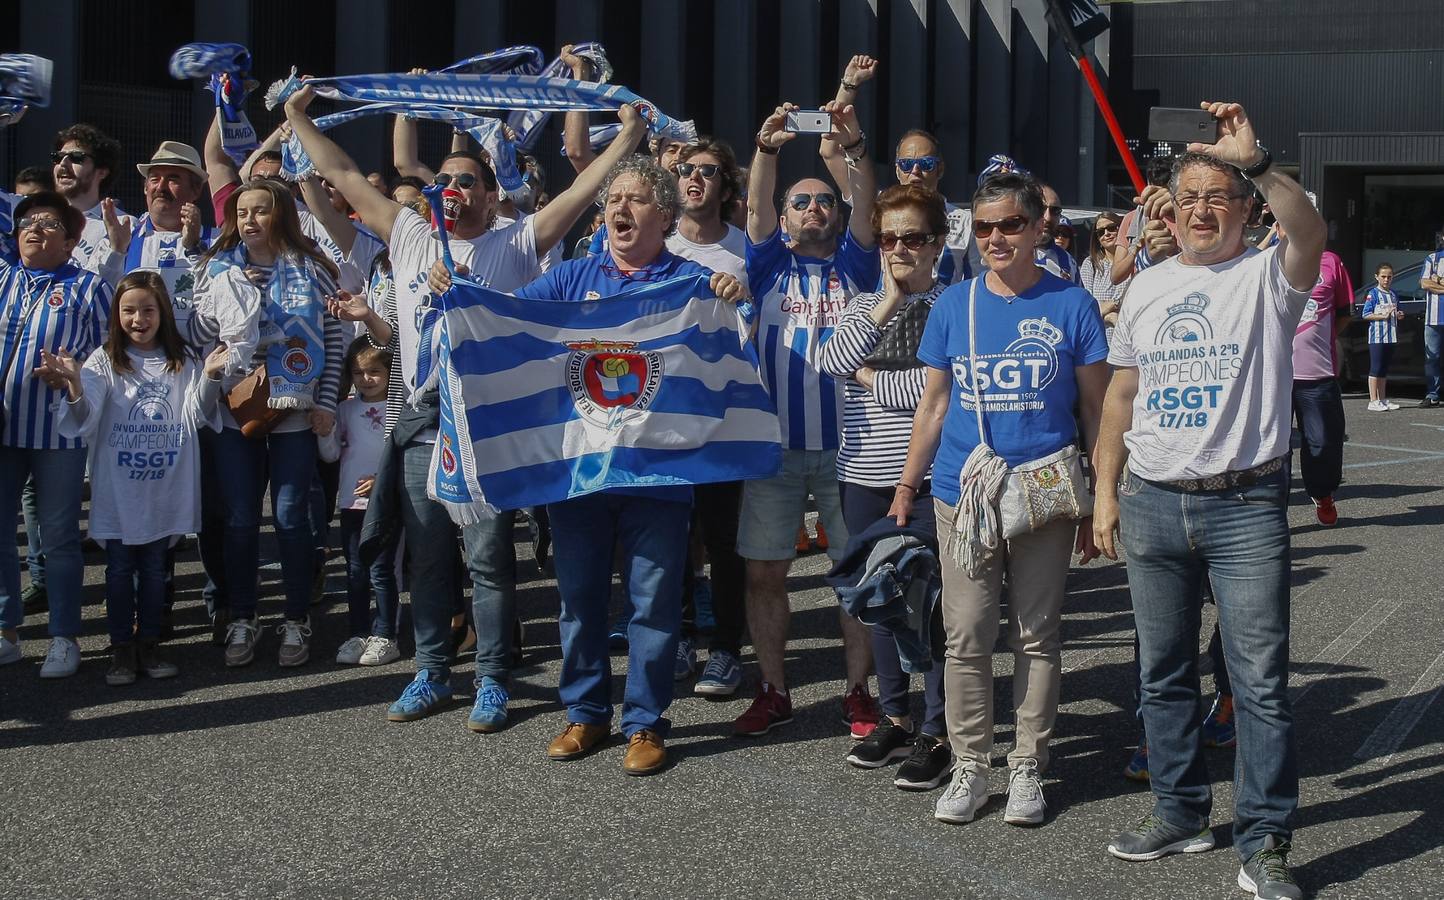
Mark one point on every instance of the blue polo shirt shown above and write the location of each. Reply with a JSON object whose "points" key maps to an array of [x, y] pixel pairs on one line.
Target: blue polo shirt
{"points": [[597, 278]]}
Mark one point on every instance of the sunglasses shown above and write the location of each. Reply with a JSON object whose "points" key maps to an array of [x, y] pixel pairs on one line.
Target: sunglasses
{"points": [[1010, 226], [800, 202], [464, 180], [685, 170], [920, 163], [1107, 229], [1211, 200], [44, 223], [74, 157], [913, 240]]}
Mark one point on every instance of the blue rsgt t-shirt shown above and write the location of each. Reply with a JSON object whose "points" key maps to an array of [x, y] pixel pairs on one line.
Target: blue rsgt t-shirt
{"points": [[1027, 349]]}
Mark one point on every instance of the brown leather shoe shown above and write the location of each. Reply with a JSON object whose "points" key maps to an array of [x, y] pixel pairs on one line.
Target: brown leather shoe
{"points": [[577, 740], [645, 753]]}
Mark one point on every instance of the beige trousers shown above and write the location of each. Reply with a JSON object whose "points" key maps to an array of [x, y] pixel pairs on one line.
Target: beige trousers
{"points": [[1037, 568]]}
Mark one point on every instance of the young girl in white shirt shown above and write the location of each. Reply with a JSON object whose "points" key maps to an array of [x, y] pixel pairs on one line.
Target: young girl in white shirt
{"points": [[357, 442], [138, 405]]}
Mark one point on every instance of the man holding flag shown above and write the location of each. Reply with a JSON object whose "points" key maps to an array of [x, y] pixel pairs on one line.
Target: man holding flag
{"points": [[504, 259]]}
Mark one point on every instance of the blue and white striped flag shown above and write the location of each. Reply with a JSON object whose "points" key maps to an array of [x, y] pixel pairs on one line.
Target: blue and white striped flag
{"points": [[542, 401]]}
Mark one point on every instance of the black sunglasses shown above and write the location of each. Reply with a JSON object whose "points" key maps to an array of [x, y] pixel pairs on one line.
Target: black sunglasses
{"points": [[464, 180], [1010, 226], [800, 202], [76, 157], [708, 170], [913, 240]]}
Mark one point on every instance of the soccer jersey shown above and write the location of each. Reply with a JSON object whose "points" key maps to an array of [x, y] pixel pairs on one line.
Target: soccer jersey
{"points": [[1381, 331], [800, 300], [64, 309], [163, 252], [1433, 303], [1314, 337]]}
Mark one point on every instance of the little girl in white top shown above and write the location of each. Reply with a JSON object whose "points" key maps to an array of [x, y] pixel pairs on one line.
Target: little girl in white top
{"points": [[357, 441], [138, 405]]}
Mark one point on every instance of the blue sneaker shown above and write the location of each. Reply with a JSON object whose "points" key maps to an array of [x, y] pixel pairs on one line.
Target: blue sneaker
{"points": [[1137, 768], [421, 698], [1219, 729], [686, 661], [702, 603], [721, 677], [488, 714]]}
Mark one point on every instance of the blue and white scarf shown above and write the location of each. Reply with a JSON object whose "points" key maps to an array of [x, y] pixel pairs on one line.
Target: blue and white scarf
{"points": [[228, 67], [598, 136], [471, 92], [286, 320], [526, 124], [24, 82]]}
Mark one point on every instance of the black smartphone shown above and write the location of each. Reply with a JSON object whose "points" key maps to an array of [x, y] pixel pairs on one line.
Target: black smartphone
{"points": [[1182, 126]]}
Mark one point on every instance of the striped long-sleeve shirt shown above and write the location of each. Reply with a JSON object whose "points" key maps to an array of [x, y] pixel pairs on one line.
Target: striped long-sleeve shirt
{"points": [[53, 310], [205, 330], [876, 424]]}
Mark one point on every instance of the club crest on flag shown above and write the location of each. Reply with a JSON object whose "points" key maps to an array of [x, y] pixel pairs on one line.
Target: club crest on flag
{"points": [[296, 360], [448, 456], [609, 377]]}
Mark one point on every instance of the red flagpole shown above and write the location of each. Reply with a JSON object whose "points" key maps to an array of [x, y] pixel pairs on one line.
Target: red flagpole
{"points": [[1114, 128]]}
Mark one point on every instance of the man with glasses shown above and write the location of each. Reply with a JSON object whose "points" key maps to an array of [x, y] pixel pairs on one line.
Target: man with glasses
{"points": [[1049, 255], [46, 303], [85, 160], [800, 291], [1199, 409], [919, 160], [504, 259]]}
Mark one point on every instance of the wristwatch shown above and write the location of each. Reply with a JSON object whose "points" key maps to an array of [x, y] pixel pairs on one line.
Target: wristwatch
{"points": [[1260, 167]]}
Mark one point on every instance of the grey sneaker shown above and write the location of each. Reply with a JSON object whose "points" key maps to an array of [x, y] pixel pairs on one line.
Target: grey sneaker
{"points": [[1266, 874], [965, 795], [1154, 838], [295, 642], [242, 635], [1025, 795]]}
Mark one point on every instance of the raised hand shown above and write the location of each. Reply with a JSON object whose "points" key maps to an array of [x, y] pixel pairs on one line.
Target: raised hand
{"points": [[190, 226], [116, 231], [299, 101], [348, 307], [860, 69], [1237, 143], [845, 128], [773, 132], [216, 361], [60, 372]]}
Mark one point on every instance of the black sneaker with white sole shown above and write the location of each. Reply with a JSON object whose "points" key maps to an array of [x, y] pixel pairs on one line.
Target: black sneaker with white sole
{"points": [[928, 765], [1266, 875], [888, 741], [1154, 838]]}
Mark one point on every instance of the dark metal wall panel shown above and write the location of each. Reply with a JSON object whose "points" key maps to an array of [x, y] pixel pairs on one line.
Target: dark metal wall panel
{"points": [[1381, 151], [1287, 26]]}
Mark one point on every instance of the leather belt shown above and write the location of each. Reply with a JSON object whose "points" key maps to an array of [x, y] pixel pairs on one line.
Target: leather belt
{"points": [[1225, 480]]}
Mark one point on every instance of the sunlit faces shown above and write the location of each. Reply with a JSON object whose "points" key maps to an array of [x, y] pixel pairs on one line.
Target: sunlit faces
{"points": [[478, 202], [1106, 227], [43, 240], [916, 151], [266, 168], [698, 190], [817, 221], [255, 214], [1211, 212], [139, 312], [635, 224], [75, 173], [1052, 212], [369, 373], [901, 227], [1000, 249], [167, 189]]}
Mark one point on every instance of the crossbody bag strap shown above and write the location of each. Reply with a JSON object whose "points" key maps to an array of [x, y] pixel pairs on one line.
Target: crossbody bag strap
{"points": [[972, 358]]}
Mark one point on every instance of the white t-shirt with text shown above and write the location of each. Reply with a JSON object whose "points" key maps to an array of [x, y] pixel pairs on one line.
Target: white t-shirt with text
{"points": [[728, 255]]}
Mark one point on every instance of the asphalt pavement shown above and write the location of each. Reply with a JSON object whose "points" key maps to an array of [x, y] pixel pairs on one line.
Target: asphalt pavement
{"points": [[269, 782]]}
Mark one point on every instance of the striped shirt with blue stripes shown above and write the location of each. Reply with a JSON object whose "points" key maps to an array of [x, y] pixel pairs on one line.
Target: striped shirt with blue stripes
{"points": [[62, 309], [1381, 331], [1433, 303]]}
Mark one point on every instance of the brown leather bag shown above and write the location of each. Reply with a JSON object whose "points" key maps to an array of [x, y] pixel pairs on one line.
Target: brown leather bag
{"points": [[249, 403]]}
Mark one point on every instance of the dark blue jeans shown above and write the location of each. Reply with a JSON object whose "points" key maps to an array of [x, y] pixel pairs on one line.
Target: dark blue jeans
{"points": [[34, 559], [862, 506], [1433, 344], [1319, 409], [1239, 540], [59, 476], [363, 583], [134, 589], [651, 535], [288, 462]]}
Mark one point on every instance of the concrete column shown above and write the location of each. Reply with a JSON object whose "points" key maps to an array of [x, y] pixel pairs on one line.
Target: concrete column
{"points": [[51, 28], [361, 47], [953, 95]]}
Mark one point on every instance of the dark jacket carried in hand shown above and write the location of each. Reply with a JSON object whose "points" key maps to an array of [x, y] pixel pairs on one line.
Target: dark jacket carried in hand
{"points": [[890, 576], [383, 510]]}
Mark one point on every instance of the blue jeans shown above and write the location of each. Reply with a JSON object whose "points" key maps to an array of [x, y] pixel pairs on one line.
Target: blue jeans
{"points": [[134, 589], [490, 547], [288, 461], [363, 583], [1239, 540], [431, 548], [652, 536], [59, 479], [1319, 409], [34, 559], [1433, 344]]}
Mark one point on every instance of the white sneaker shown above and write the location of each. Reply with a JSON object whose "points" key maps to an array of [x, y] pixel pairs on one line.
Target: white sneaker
{"points": [[380, 651], [965, 795], [1025, 795], [1391, 405], [350, 652], [62, 658], [1377, 406], [9, 652]]}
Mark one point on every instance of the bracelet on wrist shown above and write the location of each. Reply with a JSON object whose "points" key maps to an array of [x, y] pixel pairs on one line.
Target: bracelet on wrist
{"points": [[849, 86], [1264, 163], [764, 148], [861, 140], [904, 484]]}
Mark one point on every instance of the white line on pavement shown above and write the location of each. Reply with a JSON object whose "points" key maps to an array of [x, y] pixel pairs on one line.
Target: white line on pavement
{"points": [[1395, 462], [1386, 739], [1394, 449], [1341, 646]]}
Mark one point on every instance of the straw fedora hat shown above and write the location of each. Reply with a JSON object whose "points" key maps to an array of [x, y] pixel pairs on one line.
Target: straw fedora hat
{"points": [[174, 153]]}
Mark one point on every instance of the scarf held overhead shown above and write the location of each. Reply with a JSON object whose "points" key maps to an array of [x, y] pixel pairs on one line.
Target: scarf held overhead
{"points": [[543, 401], [284, 317], [228, 68]]}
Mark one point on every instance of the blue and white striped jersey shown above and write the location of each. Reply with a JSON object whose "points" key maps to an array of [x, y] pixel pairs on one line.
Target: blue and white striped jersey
{"points": [[162, 251], [1381, 331], [800, 300], [1433, 303], [65, 309], [1058, 261]]}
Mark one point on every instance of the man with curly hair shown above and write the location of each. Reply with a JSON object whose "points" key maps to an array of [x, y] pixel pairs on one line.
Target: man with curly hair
{"points": [[85, 163]]}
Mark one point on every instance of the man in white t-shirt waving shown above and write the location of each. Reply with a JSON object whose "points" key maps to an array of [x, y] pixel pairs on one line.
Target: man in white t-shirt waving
{"points": [[1199, 409]]}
